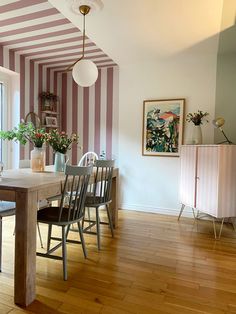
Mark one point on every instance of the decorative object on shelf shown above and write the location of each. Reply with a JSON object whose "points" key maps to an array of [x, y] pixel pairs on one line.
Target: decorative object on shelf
{"points": [[218, 123], [51, 122], [33, 118], [49, 101], [84, 71], [61, 143], [162, 127], [197, 118], [26, 132]]}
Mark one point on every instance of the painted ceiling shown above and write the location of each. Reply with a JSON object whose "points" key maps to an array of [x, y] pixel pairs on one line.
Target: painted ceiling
{"points": [[38, 31]]}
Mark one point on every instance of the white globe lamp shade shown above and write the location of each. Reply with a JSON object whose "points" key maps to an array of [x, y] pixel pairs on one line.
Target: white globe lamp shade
{"points": [[85, 73]]}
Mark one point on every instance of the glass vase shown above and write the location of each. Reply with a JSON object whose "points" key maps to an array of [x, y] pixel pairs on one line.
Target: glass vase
{"points": [[37, 159]]}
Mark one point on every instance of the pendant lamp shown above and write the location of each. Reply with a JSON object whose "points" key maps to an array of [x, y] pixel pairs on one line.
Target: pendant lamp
{"points": [[84, 71]]}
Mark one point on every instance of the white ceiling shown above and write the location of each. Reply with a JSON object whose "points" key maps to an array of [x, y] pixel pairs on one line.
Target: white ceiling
{"points": [[130, 31]]}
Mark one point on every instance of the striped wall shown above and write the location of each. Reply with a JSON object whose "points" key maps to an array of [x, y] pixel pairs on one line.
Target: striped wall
{"points": [[91, 112]]}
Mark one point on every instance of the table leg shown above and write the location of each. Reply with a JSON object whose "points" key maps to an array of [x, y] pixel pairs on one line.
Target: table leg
{"points": [[25, 247], [114, 203]]}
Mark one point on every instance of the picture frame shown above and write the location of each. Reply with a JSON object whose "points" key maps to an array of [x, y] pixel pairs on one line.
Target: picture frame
{"points": [[51, 121], [162, 127]]}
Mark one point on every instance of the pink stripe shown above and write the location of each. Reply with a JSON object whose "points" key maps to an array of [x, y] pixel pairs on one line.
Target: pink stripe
{"points": [[51, 43], [66, 64], [12, 60], [55, 84], [31, 89], [74, 118], [19, 5], [74, 59], [40, 89], [28, 17], [97, 114], [85, 120], [34, 28], [62, 55], [109, 112], [48, 80], [64, 100], [1, 55], [38, 37], [22, 98]]}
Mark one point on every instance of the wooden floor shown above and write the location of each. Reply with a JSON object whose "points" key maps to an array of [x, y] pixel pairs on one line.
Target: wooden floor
{"points": [[153, 265]]}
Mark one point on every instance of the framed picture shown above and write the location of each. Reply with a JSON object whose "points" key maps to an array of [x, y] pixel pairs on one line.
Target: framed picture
{"points": [[51, 121], [162, 127]]}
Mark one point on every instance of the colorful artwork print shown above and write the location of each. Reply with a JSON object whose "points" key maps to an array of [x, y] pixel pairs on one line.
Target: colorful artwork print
{"points": [[162, 127]]}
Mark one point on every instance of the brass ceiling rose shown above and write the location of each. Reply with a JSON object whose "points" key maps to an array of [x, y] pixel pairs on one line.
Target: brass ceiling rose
{"points": [[84, 9]]}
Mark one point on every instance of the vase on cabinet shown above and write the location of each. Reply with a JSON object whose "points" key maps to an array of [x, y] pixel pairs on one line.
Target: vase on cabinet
{"points": [[37, 159], [60, 162], [197, 134]]}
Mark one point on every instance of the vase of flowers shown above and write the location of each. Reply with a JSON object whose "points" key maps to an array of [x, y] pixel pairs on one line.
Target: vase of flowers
{"points": [[26, 132], [197, 118], [61, 143]]}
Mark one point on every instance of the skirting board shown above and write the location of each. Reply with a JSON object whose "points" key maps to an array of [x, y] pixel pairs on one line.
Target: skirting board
{"points": [[187, 212]]}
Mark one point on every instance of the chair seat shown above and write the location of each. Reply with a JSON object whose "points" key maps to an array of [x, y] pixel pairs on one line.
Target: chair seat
{"points": [[50, 215], [7, 209], [95, 201]]}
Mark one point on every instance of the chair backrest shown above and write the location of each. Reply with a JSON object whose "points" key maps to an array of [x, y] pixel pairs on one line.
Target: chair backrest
{"points": [[88, 159], [103, 180], [76, 183], [24, 163]]}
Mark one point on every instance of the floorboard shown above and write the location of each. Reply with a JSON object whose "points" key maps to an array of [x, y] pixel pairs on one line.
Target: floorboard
{"points": [[155, 264]]}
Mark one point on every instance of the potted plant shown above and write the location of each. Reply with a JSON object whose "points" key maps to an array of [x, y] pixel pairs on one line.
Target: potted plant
{"points": [[26, 132], [197, 118], [61, 143]]}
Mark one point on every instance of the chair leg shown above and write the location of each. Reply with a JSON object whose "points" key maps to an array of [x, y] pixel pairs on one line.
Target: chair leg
{"points": [[0, 244], [98, 228], [64, 253], [82, 239], [40, 236], [110, 220], [49, 237], [181, 211]]}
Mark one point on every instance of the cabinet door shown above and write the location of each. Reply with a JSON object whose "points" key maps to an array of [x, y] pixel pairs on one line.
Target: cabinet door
{"points": [[188, 175], [207, 179]]}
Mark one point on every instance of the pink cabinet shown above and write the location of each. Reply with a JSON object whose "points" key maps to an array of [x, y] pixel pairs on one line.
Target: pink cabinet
{"points": [[208, 179]]}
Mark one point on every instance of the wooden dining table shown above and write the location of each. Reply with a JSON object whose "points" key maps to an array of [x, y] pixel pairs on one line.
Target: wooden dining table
{"points": [[26, 188]]}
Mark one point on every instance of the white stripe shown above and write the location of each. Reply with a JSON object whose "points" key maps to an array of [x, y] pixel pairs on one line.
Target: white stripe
{"points": [[69, 109], [44, 40], [39, 21], [80, 121], [44, 78], [56, 46], [5, 58], [107, 61], [51, 54], [91, 117], [27, 100], [103, 110], [38, 32], [27, 10], [78, 54], [36, 90], [115, 117]]}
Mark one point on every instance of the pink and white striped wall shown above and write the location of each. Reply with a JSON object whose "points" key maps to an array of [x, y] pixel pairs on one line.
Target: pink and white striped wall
{"points": [[91, 112]]}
